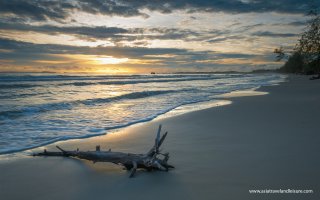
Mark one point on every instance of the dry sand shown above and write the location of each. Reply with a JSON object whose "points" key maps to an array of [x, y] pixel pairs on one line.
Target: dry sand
{"points": [[259, 142]]}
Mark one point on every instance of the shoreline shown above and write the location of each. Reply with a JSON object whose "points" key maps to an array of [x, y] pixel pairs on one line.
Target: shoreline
{"points": [[219, 100], [257, 142]]}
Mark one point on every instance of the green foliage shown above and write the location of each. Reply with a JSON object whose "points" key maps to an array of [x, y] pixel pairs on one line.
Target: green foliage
{"points": [[280, 53], [306, 56], [295, 64]]}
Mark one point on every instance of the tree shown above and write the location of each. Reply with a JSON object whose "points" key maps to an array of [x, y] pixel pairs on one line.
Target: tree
{"points": [[294, 64], [309, 43], [280, 53], [306, 55]]}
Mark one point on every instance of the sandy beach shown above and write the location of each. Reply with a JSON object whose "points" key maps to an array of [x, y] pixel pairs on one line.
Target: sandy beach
{"points": [[258, 142]]}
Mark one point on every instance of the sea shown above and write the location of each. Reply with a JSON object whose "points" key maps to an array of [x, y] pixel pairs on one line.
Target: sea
{"points": [[41, 108]]}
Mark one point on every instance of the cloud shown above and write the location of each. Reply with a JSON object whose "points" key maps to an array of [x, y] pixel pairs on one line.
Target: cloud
{"points": [[297, 23], [36, 10], [26, 48], [111, 7], [117, 34], [231, 6], [60, 10], [222, 39], [272, 34], [233, 26], [24, 53], [90, 32], [143, 36]]}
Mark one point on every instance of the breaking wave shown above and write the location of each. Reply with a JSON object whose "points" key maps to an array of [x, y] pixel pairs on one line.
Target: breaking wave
{"points": [[36, 109]]}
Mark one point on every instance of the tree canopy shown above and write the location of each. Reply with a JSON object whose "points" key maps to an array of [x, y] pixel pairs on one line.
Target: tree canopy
{"points": [[306, 55]]}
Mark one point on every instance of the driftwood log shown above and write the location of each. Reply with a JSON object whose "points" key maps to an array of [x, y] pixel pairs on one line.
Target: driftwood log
{"points": [[152, 160]]}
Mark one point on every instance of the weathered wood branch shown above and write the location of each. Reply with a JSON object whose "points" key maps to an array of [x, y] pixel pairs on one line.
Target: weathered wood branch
{"points": [[152, 160]]}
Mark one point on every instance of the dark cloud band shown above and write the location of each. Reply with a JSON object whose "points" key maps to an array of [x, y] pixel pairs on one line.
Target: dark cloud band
{"points": [[60, 10]]}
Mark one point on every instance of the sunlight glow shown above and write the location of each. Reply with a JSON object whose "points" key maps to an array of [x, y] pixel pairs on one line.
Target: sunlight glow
{"points": [[111, 60]]}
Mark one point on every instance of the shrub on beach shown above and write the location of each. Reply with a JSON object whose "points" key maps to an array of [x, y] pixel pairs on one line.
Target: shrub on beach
{"points": [[294, 64]]}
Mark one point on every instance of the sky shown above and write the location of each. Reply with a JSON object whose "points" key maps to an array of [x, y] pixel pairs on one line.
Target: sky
{"points": [[143, 36]]}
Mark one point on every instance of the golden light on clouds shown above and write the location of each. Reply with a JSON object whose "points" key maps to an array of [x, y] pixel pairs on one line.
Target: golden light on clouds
{"points": [[94, 59], [110, 60], [138, 39], [5, 51], [52, 61], [113, 70], [97, 60]]}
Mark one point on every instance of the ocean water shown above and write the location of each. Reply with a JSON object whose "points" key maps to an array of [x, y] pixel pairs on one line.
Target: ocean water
{"points": [[37, 109]]}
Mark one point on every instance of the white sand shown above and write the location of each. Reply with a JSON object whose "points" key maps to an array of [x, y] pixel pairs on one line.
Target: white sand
{"points": [[259, 142]]}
